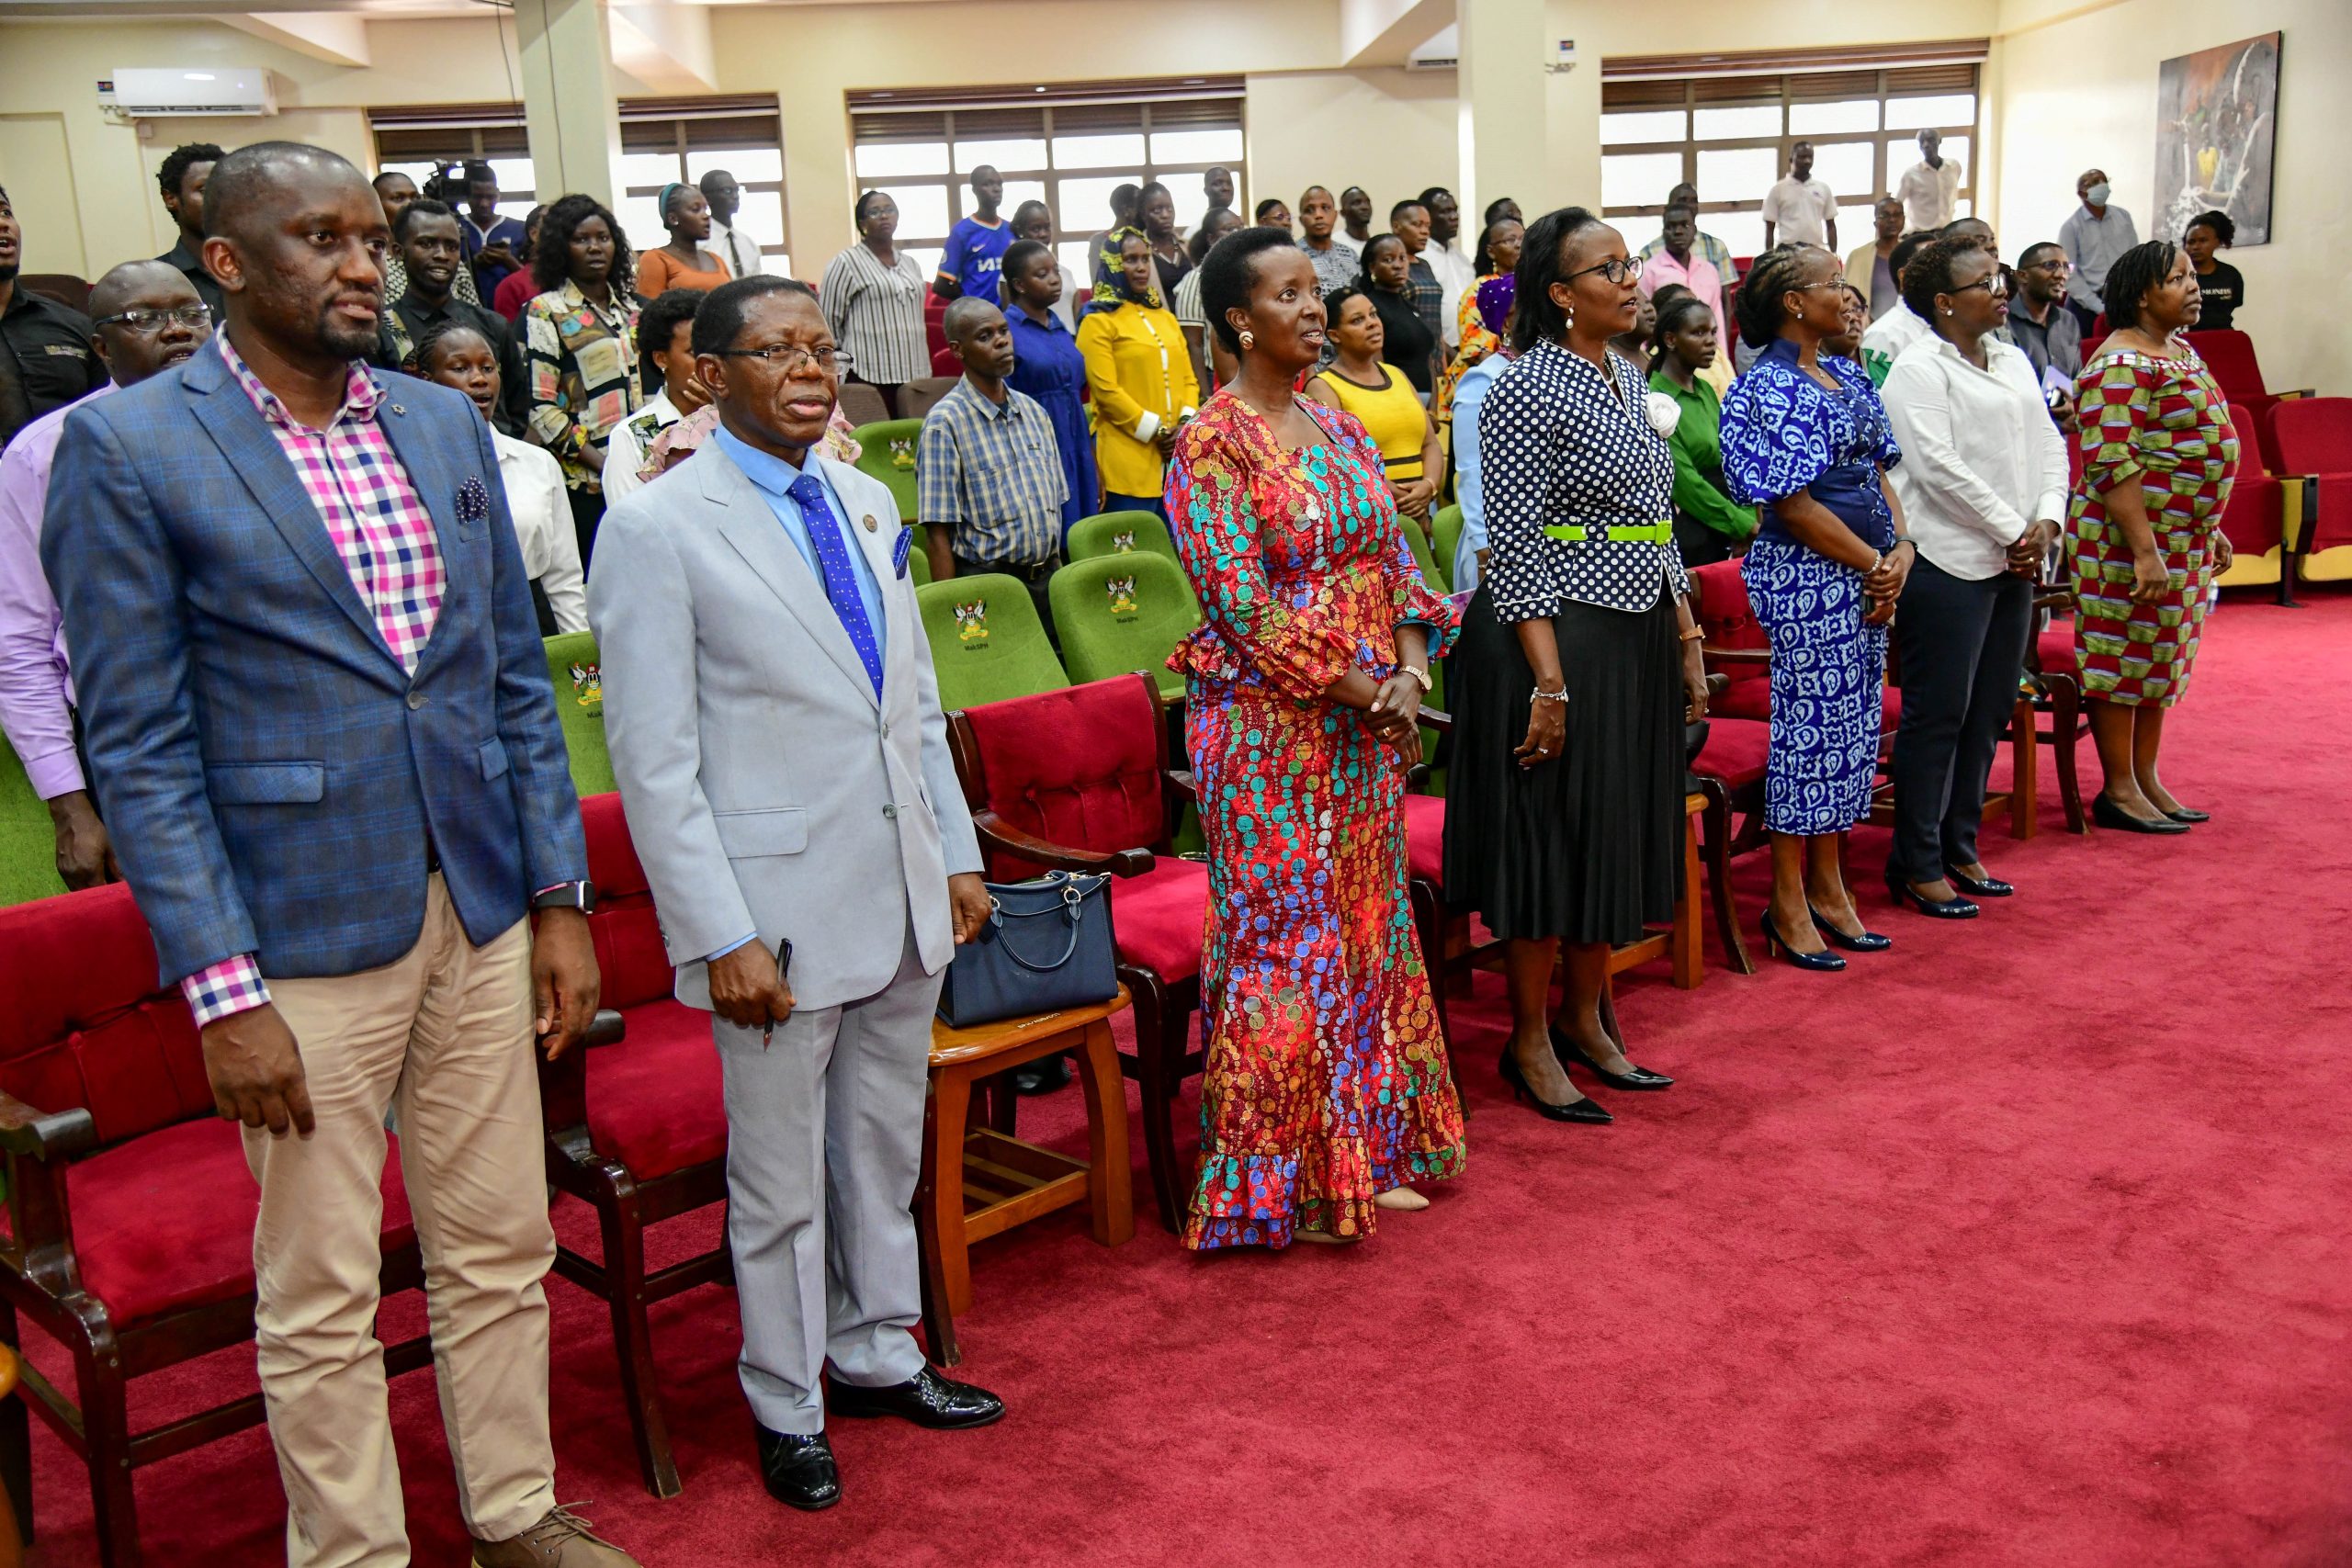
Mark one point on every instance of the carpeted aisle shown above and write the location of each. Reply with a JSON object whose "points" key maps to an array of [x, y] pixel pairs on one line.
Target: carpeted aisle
{"points": [[2024, 1244]]}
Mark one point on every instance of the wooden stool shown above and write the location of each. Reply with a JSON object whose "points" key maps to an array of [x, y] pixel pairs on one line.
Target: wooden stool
{"points": [[1006, 1182], [15, 1466]]}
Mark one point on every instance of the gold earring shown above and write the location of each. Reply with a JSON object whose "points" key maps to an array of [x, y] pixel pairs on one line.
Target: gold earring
{"points": [[1248, 339]]}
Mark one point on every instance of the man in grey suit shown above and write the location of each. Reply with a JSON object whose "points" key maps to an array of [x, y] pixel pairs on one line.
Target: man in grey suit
{"points": [[774, 727]]}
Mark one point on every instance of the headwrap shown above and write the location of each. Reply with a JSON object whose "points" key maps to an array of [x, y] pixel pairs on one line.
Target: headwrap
{"points": [[1111, 290], [1496, 295]]}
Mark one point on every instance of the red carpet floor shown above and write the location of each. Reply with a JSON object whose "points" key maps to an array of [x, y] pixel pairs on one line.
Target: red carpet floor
{"points": [[2024, 1244]]}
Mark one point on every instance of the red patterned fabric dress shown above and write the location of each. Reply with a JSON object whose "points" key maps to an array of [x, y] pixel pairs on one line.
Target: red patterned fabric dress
{"points": [[1326, 1080], [2165, 422]]}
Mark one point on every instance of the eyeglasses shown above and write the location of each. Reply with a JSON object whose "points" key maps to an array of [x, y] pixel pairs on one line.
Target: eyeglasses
{"points": [[2057, 266], [1619, 270], [791, 356], [147, 321], [1992, 283]]}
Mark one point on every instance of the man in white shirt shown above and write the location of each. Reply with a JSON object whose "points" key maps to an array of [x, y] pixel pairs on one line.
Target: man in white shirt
{"points": [[1799, 210], [664, 339], [742, 251], [1929, 190], [1455, 274]]}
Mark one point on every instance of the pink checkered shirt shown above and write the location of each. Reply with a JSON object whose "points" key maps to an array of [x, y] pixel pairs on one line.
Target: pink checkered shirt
{"points": [[385, 535]]}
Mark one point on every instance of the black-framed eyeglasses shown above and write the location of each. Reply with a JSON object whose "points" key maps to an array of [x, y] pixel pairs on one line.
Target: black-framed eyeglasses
{"points": [[148, 321], [791, 356], [1619, 270], [1992, 283]]}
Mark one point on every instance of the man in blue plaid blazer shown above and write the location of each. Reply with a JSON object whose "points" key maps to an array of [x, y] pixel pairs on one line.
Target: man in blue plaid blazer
{"points": [[322, 737]]}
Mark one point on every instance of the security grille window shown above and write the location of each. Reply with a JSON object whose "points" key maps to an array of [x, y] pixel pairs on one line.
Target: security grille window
{"points": [[1068, 146], [1725, 123], [662, 140]]}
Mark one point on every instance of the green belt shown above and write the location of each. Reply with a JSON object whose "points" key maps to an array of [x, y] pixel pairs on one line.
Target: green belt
{"points": [[1615, 532]]}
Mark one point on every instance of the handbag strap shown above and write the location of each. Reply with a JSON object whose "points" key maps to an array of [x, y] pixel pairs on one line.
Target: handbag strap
{"points": [[1071, 912]]}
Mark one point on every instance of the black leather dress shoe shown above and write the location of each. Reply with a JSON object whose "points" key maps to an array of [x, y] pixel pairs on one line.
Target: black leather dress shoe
{"points": [[2189, 815], [1572, 1054], [926, 1399], [1980, 886], [798, 1469], [2106, 814]]}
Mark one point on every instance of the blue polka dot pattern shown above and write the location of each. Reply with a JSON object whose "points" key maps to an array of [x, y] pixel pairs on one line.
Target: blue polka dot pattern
{"points": [[840, 578]]}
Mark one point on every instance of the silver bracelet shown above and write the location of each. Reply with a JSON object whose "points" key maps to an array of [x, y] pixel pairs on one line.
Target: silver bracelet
{"points": [[1540, 695]]}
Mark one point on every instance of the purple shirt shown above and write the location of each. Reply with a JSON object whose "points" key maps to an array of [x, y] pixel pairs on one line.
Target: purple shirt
{"points": [[36, 686]]}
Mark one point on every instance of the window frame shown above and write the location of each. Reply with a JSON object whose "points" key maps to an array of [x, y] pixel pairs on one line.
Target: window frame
{"points": [[1650, 85]]}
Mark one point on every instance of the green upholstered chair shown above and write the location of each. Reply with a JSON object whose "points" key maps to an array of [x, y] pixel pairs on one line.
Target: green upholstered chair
{"points": [[1436, 580], [987, 642], [580, 702], [888, 452], [1445, 541], [1122, 613], [918, 560], [1114, 533], [28, 842]]}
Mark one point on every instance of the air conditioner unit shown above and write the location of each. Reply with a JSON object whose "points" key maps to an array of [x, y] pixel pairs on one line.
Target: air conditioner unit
{"points": [[149, 93]]}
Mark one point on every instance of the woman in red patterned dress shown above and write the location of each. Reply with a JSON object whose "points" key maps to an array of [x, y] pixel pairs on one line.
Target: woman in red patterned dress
{"points": [[1327, 1093]]}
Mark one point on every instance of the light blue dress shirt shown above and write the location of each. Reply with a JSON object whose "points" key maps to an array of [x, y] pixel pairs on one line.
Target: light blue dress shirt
{"points": [[774, 478], [1469, 394]]}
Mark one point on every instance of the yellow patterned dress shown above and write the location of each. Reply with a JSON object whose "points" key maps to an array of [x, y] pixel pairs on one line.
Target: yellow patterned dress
{"points": [[2164, 422], [1327, 1080]]}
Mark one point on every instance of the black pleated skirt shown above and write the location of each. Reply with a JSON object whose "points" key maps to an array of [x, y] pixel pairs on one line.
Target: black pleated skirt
{"points": [[1587, 846]]}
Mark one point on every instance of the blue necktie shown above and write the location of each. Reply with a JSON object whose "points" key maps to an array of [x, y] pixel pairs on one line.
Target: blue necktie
{"points": [[840, 578]]}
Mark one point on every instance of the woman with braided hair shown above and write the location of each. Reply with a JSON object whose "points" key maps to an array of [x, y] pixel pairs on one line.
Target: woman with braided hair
{"points": [[1805, 438]]}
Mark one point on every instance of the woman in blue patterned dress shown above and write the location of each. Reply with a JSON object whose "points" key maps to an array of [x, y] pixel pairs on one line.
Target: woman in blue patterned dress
{"points": [[1805, 437]]}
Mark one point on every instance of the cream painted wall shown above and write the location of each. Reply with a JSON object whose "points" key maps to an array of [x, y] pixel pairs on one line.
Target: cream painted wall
{"points": [[38, 174], [2082, 91], [1391, 132]]}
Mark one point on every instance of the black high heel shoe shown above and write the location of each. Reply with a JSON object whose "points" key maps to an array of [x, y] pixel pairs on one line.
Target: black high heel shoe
{"points": [[1827, 963], [2189, 815], [1979, 886], [1903, 892], [1572, 1054], [2106, 814], [1588, 1111], [1869, 941]]}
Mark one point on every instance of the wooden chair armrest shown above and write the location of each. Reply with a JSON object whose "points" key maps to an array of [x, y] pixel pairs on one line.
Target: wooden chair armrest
{"points": [[44, 1134], [1715, 655], [2297, 393], [2055, 599], [996, 833], [1186, 784], [607, 1028], [1437, 719]]}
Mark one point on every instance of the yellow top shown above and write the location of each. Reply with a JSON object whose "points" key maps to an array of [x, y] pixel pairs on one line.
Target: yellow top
{"points": [[1391, 415], [1140, 378]]}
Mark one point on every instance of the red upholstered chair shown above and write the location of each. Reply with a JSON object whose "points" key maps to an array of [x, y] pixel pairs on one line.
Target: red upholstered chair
{"points": [[636, 1128], [2237, 371], [2312, 455], [2255, 519], [1079, 779], [131, 1208]]}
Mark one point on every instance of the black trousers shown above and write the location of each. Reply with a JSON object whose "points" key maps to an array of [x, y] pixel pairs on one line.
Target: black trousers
{"points": [[1700, 545], [587, 510], [1961, 643], [1033, 578]]}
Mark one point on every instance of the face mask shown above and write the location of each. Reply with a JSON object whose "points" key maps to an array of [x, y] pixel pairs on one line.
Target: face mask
{"points": [[2096, 196]]}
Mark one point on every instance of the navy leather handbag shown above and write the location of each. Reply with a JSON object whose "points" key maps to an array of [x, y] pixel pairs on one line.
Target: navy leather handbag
{"points": [[1046, 946]]}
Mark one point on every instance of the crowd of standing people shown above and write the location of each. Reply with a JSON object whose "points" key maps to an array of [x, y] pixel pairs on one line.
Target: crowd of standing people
{"points": [[367, 563]]}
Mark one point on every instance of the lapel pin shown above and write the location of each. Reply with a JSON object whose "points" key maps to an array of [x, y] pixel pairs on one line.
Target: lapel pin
{"points": [[871, 525], [397, 409]]}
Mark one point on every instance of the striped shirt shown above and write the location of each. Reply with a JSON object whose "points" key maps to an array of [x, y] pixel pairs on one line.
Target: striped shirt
{"points": [[993, 473], [385, 536], [1429, 297], [876, 313]]}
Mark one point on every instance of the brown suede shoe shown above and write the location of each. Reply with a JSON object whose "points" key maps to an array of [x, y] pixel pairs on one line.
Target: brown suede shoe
{"points": [[559, 1540]]}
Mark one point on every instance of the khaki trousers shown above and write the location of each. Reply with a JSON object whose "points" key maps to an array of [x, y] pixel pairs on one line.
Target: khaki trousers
{"points": [[444, 1036]]}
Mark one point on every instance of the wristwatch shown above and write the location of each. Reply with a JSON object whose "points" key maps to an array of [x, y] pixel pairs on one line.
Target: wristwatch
{"points": [[1427, 685], [580, 895]]}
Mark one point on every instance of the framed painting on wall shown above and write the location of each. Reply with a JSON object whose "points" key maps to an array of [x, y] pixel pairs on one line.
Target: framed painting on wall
{"points": [[2217, 114]]}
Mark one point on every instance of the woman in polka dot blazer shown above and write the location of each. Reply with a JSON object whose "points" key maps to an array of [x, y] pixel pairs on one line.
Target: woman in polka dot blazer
{"points": [[1576, 666]]}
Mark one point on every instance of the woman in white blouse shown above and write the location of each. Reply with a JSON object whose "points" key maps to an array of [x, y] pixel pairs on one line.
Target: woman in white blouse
{"points": [[457, 356], [1984, 484], [872, 295]]}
